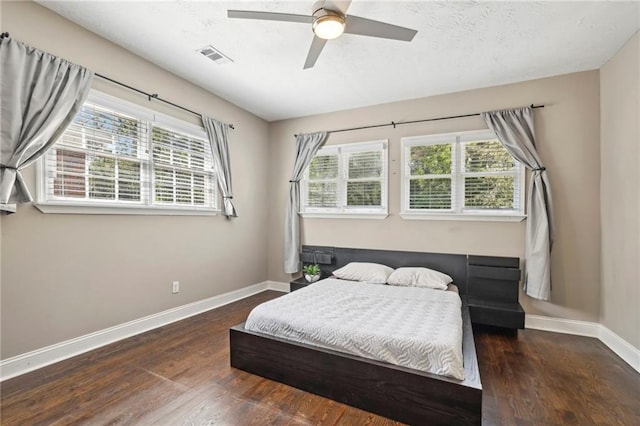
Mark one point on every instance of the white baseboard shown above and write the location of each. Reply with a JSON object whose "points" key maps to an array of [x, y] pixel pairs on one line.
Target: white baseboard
{"points": [[561, 325], [277, 286], [621, 347], [24, 363], [625, 350]]}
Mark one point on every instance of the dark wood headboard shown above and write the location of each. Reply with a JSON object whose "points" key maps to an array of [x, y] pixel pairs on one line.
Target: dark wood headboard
{"points": [[332, 258]]}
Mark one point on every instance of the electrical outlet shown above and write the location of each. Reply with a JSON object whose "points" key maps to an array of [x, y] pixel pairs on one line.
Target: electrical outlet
{"points": [[176, 287]]}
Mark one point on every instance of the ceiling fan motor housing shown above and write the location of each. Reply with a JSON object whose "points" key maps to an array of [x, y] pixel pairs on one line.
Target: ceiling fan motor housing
{"points": [[319, 6], [327, 24]]}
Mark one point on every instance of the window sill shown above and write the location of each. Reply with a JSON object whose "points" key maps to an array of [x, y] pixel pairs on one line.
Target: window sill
{"points": [[463, 217], [359, 215], [61, 208]]}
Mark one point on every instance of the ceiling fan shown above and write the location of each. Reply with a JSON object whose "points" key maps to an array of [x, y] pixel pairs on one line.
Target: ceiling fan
{"points": [[329, 20]]}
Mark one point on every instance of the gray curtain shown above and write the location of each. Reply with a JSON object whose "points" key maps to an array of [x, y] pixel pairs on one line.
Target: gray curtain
{"points": [[307, 145], [39, 96], [514, 128], [218, 132]]}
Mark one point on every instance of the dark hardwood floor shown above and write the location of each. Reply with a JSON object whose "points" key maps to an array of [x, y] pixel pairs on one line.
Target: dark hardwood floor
{"points": [[180, 374]]}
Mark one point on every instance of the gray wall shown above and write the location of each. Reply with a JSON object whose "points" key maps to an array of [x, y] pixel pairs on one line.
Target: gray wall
{"points": [[568, 135], [620, 192], [68, 275]]}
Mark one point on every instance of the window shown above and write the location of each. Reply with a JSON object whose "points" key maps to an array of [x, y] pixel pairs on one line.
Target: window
{"points": [[119, 155], [467, 174], [180, 168], [347, 180]]}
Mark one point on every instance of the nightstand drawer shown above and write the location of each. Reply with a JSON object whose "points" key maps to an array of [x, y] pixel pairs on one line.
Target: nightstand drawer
{"points": [[493, 283], [508, 315], [293, 286], [297, 284]]}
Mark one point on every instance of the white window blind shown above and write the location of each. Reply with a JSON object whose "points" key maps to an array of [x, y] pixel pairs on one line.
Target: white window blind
{"points": [[347, 179], [364, 178], [182, 168], [322, 181], [116, 154], [469, 173]]}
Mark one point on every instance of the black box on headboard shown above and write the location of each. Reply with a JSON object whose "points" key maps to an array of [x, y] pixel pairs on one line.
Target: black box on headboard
{"points": [[323, 256], [319, 255]]}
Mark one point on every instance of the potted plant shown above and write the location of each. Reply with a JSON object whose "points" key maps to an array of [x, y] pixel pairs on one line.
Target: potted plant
{"points": [[311, 272]]}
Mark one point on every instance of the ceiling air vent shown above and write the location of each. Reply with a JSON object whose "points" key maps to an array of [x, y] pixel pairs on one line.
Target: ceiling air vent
{"points": [[215, 55]]}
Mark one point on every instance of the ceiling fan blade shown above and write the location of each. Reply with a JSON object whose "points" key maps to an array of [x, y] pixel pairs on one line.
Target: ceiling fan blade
{"points": [[269, 16], [337, 5], [371, 28], [314, 51]]}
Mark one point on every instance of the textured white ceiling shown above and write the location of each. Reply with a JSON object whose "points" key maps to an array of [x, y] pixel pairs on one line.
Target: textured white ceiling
{"points": [[459, 46]]}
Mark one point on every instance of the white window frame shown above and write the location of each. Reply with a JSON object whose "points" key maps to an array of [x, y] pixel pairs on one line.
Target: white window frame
{"points": [[147, 205], [457, 181], [344, 211]]}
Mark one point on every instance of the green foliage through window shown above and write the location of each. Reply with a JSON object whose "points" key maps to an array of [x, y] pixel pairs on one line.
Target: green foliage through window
{"points": [[461, 176], [364, 194], [430, 160], [324, 167], [489, 192], [487, 156]]}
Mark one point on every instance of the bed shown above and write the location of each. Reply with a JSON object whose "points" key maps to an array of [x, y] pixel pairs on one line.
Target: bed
{"points": [[417, 328], [409, 395]]}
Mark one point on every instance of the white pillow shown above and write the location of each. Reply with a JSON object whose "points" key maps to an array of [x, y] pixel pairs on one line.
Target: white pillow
{"points": [[419, 277], [373, 273]]}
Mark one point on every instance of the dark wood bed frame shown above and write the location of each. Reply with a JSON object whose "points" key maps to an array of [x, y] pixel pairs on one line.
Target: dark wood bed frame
{"points": [[399, 393]]}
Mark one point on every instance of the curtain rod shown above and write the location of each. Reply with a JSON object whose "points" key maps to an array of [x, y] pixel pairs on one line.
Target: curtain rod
{"points": [[152, 96], [148, 95], [394, 124]]}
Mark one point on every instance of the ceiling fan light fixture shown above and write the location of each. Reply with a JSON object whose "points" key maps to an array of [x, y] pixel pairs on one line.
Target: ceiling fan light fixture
{"points": [[328, 26]]}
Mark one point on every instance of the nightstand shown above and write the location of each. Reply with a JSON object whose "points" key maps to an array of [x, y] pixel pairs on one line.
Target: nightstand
{"points": [[492, 291], [298, 283]]}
